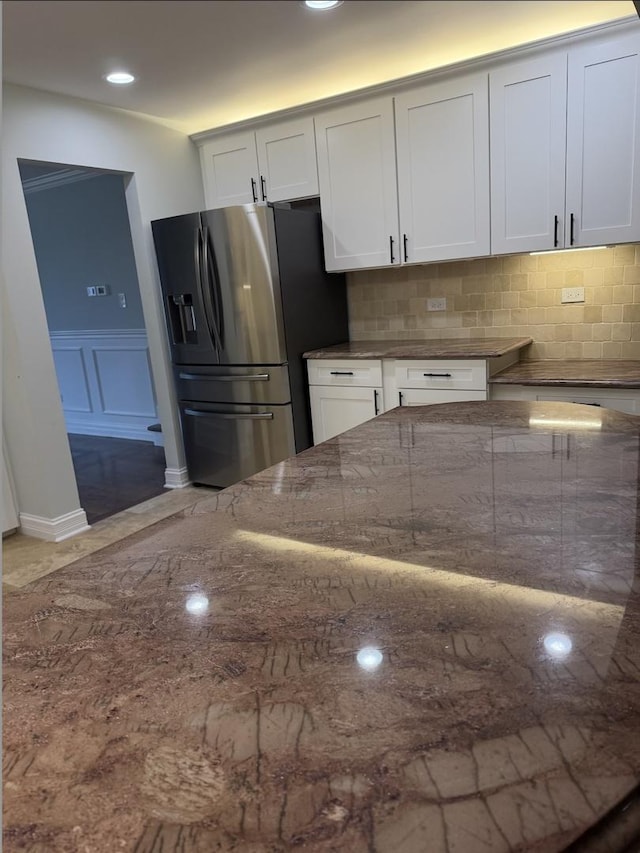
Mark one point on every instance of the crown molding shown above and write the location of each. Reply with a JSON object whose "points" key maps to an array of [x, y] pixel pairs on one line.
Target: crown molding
{"points": [[399, 84], [58, 178]]}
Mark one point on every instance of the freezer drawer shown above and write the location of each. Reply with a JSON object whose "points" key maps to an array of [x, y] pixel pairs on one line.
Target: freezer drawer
{"points": [[225, 444], [256, 384]]}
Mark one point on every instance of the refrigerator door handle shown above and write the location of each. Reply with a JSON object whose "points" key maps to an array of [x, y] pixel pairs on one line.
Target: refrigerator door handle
{"points": [[230, 416], [212, 294], [255, 377], [197, 248]]}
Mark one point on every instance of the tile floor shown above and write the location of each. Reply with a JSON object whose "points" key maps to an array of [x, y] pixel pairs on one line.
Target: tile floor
{"points": [[26, 559]]}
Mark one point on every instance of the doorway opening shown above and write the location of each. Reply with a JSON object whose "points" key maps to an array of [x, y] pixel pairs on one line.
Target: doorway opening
{"points": [[82, 241]]}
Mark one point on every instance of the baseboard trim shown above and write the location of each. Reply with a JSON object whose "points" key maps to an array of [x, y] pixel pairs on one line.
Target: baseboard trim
{"points": [[176, 478], [54, 529]]}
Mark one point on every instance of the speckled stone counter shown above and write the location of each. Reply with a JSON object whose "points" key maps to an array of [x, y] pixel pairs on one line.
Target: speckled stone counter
{"points": [[592, 373], [445, 348], [422, 636]]}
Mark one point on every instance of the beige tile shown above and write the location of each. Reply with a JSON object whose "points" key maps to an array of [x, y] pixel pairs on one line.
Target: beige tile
{"points": [[622, 293], [624, 255], [632, 274], [621, 331], [573, 349], [611, 349], [593, 277], [603, 295], [592, 349], [528, 299], [575, 278], [595, 313], [25, 559], [612, 275], [631, 349], [510, 300], [602, 332], [630, 313]]}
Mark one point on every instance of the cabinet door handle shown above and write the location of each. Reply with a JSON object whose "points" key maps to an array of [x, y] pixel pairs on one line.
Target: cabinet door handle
{"points": [[400, 398], [440, 375], [375, 402], [341, 372], [556, 221], [571, 232], [404, 241], [391, 248], [263, 188], [253, 190]]}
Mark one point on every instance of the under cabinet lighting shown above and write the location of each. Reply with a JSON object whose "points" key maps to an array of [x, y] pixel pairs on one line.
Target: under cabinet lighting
{"points": [[578, 249], [322, 5], [120, 78]]}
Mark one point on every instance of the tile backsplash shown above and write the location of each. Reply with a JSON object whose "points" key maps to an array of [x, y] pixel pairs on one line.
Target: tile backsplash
{"points": [[512, 296]]}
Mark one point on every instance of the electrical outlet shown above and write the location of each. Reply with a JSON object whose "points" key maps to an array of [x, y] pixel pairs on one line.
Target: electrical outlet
{"points": [[102, 289], [438, 304], [572, 294]]}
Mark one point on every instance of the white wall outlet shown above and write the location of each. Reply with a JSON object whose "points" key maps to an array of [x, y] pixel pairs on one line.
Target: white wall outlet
{"points": [[438, 304], [91, 291], [102, 289], [572, 294]]}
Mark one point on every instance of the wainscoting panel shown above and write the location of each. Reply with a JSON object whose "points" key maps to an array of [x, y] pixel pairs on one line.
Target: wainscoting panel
{"points": [[105, 383], [72, 378], [133, 396]]}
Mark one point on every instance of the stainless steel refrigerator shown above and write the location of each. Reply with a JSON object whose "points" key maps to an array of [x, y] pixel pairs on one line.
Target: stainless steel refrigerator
{"points": [[245, 294]]}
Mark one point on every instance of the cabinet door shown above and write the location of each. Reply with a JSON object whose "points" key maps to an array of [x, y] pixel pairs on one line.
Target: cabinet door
{"points": [[528, 141], [336, 409], [603, 143], [358, 190], [287, 160], [230, 170], [442, 138]]}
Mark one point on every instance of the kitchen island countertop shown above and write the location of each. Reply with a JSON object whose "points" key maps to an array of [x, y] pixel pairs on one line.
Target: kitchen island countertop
{"points": [[417, 349], [422, 635]]}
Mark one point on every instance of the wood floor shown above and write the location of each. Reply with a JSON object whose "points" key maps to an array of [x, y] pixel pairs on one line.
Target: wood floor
{"points": [[114, 474]]}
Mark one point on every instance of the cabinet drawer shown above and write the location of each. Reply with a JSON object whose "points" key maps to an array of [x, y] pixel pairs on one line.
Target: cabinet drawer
{"points": [[420, 397], [347, 372], [442, 374]]}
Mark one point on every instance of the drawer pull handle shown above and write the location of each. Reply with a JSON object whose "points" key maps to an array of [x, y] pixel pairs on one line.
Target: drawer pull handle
{"points": [[375, 402], [555, 231], [572, 236], [440, 375], [341, 372]]}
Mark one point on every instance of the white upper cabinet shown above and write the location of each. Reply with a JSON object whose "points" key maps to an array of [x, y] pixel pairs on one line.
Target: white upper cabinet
{"points": [[230, 170], [358, 190], [274, 163], [287, 160], [442, 140], [528, 136], [603, 143]]}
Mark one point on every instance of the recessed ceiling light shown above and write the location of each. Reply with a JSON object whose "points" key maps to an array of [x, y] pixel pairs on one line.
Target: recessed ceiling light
{"points": [[321, 5], [120, 78]]}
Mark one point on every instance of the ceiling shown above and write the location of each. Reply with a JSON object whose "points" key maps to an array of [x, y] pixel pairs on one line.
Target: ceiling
{"points": [[204, 64]]}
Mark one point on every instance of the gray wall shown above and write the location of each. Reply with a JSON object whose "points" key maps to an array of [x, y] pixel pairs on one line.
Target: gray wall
{"points": [[81, 237]]}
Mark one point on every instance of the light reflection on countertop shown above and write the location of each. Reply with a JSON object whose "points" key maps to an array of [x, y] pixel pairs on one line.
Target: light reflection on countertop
{"points": [[426, 624]]}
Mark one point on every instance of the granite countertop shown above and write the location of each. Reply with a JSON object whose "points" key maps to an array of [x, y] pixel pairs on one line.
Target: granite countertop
{"points": [[594, 373], [422, 635], [445, 348]]}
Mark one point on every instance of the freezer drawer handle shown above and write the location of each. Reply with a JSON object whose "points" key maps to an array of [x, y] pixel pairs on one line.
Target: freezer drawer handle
{"points": [[255, 377], [230, 416], [341, 372], [438, 375]]}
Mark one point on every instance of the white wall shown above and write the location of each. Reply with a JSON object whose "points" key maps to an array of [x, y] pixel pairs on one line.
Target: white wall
{"points": [[166, 181]]}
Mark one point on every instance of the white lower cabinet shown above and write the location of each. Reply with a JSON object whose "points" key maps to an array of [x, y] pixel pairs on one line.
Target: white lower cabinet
{"points": [[619, 399], [337, 409], [346, 392], [343, 394]]}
